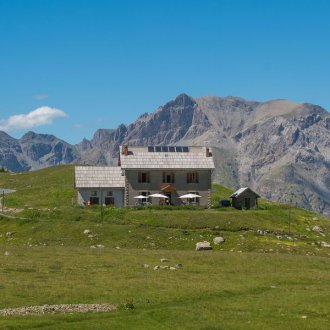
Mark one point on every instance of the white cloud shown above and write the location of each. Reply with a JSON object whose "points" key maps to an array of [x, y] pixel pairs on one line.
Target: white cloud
{"points": [[77, 126], [38, 117], [41, 97]]}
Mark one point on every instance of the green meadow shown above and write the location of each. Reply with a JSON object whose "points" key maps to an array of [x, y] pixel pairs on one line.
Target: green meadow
{"points": [[272, 271]]}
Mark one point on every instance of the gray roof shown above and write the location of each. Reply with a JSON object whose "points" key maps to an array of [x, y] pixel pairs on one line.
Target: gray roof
{"points": [[99, 177], [241, 191], [142, 159]]}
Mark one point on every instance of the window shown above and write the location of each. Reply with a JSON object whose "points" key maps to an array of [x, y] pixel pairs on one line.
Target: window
{"points": [[109, 193], [93, 193], [168, 177], [109, 201], [192, 177], [94, 200], [144, 177]]}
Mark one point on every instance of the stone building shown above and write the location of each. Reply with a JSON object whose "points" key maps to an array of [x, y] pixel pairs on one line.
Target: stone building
{"points": [[171, 171], [244, 198]]}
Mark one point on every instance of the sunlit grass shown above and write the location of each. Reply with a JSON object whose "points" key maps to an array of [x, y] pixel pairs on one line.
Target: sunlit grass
{"points": [[259, 278]]}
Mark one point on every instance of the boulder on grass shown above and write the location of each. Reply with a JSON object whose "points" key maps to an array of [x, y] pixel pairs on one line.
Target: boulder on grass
{"points": [[200, 246], [319, 230], [218, 240]]}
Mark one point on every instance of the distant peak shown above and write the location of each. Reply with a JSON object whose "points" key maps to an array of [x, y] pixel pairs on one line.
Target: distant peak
{"points": [[29, 135], [35, 136], [4, 134], [183, 98]]}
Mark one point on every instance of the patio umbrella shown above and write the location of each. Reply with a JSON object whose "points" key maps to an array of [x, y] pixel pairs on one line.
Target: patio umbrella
{"points": [[140, 197], [190, 196], [158, 195]]}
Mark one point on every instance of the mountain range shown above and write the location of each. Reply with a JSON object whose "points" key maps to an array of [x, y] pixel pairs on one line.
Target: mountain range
{"points": [[280, 149]]}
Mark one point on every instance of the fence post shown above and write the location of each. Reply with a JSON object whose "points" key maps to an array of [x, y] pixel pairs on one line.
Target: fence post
{"points": [[3, 200]]}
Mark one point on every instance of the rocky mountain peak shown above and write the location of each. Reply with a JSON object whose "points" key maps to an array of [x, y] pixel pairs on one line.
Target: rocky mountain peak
{"points": [[181, 101], [102, 135], [28, 136], [6, 139]]}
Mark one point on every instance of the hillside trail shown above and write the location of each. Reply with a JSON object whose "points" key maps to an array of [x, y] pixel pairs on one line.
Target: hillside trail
{"points": [[9, 211]]}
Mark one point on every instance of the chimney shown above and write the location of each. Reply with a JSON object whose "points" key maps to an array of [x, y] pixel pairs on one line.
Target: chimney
{"points": [[125, 150], [208, 152]]}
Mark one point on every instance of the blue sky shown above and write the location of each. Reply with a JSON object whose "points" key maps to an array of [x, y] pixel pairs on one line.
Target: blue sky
{"points": [[85, 65]]}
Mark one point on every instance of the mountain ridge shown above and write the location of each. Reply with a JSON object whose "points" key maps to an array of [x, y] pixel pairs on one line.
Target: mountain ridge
{"points": [[279, 148]]}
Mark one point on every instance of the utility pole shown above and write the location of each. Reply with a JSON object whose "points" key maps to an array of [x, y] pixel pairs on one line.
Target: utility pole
{"points": [[101, 207], [3, 200], [290, 207], [289, 219]]}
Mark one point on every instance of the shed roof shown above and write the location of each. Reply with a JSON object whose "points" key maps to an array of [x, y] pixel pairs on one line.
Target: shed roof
{"points": [[99, 177], [241, 191], [140, 158]]}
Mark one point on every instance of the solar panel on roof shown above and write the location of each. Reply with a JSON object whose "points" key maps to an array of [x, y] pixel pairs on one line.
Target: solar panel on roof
{"points": [[167, 149]]}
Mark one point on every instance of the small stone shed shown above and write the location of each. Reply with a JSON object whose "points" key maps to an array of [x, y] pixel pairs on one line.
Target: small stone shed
{"points": [[244, 198]]}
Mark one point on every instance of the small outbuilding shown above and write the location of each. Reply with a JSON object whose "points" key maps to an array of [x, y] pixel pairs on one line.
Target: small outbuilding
{"points": [[244, 198], [100, 185]]}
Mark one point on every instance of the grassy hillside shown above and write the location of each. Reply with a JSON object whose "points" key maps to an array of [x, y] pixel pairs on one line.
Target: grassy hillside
{"points": [[261, 277], [50, 187]]}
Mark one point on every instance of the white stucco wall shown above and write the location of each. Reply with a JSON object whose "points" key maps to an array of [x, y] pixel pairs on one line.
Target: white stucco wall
{"points": [[117, 194]]}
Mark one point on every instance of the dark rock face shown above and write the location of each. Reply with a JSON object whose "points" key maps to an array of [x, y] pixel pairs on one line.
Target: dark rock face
{"points": [[279, 148], [34, 151]]}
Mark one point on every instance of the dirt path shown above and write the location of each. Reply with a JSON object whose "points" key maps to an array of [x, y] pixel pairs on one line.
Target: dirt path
{"points": [[3, 208], [8, 211]]}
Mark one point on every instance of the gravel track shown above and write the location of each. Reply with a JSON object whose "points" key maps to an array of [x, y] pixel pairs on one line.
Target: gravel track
{"points": [[57, 309]]}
